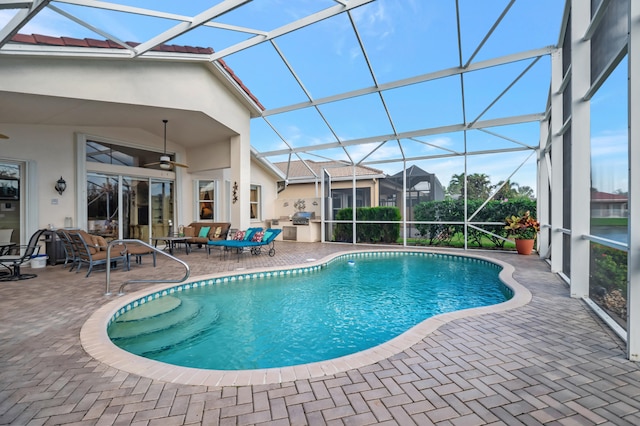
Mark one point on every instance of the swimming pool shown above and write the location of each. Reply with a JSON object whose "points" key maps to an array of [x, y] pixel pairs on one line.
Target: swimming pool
{"points": [[97, 343], [350, 305]]}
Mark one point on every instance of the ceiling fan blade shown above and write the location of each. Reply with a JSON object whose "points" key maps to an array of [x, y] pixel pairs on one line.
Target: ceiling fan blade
{"points": [[152, 164], [178, 164], [3, 136]]}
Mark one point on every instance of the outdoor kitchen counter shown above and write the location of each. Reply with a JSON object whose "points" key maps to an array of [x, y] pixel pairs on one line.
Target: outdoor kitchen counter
{"points": [[304, 233]]}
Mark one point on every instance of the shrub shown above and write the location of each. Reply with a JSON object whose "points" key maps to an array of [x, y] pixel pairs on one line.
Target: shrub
{"points": [[369, 232], [453, 211]]}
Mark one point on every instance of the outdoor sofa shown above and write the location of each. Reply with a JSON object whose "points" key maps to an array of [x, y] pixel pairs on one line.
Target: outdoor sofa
{"points": [[201, 233]]}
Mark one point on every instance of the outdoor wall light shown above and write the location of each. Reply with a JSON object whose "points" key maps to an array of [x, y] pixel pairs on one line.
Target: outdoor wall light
{"points": [[61, 185]]}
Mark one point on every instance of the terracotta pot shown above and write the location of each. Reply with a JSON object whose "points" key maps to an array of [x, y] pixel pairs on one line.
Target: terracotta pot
{"points": [[524, 246]]}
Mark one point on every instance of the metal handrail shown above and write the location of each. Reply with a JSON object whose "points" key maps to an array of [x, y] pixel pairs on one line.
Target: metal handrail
{"points": [[120, 290]]}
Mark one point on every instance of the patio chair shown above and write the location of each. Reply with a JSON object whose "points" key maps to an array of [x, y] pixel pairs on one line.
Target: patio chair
{"points": [[69, 251], [18, 256], [95, 254]]}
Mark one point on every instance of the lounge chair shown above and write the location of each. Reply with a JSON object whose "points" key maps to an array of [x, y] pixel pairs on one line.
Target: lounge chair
{"points": [[254, 244], [20, 255]]}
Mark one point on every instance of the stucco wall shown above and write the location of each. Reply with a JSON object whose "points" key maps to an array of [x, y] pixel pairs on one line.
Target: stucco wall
{"points": [[184, 86], [45, 137]]}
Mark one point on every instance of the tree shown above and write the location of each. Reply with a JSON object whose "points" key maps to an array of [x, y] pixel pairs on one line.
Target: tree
{"points": [[526, 191], [506, 190], [479, 186], [456, 187]]}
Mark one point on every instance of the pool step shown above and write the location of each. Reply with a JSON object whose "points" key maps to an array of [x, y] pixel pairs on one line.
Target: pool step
{"points": [[151, 309], [162, 332], [153, 323]]}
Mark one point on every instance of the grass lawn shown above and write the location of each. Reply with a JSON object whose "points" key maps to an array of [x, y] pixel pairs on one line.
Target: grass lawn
{"points": [[458, 242], [609, 221]]}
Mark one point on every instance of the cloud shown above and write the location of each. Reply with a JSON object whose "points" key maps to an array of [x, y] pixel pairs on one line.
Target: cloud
{"points": [[47, 23], [374, 20], [609, 143]]}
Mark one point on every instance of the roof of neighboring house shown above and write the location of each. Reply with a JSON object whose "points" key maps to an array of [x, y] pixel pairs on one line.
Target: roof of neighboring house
{"points": [[299, 172], [43, 40], [598, 196], [415, 175]]}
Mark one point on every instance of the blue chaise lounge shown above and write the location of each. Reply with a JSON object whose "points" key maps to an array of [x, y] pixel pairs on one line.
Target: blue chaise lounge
{"points": [[254, 238]]}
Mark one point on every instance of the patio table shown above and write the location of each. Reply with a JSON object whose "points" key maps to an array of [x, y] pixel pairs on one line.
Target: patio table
{"points": [[171, 243]]}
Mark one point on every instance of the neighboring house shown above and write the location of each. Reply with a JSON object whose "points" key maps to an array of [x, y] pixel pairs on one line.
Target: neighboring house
{"points": [[97, 123], [304, 182], [604, 204], [421, 186]]}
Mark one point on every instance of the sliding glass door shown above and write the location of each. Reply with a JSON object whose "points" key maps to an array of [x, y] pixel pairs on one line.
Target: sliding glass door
{"points": [[10, 211], [162, 208], [129, 207], [135, 196], [103, 206]]}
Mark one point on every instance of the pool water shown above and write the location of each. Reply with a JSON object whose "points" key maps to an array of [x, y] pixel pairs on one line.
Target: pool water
{"points": [[288, 320]]}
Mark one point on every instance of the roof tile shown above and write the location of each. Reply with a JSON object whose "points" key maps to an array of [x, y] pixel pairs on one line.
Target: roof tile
{"points": [[98, 43], [70, 41], [24, 38], [51, 41]]}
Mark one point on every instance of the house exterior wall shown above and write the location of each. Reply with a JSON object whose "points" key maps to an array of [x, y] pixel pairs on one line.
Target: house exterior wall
{"points": [[50, 149], [268, 193], [183, 86], [308, 190]]}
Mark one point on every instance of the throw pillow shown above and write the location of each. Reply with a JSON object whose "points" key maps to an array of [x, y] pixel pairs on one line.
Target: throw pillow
{"points": [[204, 231], [267, 235], [217, 233], [239, 235], [249, 234], [257, 237], [100, 241]]}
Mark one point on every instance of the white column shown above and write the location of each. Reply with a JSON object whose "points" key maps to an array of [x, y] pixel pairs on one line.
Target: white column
{"points": [[633, 262], [240, 181], [557, 123], [580, 148], [544, 196]]}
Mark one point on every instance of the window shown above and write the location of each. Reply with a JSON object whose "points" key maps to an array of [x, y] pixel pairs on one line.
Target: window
{"points": [[254, 202], [106, 153], [206, 200]]}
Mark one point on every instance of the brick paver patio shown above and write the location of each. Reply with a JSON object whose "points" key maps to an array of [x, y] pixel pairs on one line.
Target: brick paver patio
{"points": [[550, 362]]}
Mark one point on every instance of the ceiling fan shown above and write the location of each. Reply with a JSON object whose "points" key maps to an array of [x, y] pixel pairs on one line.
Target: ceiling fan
{"points": [[165, 161]]}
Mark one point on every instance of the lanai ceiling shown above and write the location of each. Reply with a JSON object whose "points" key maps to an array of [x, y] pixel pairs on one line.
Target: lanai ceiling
{"points": [[361, 81]]}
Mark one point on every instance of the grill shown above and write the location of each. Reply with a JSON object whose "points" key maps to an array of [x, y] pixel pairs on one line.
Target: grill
{"points": [[302, 218]]}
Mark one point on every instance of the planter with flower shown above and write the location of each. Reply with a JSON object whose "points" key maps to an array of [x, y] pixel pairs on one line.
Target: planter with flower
{"points": [[524, 229]]}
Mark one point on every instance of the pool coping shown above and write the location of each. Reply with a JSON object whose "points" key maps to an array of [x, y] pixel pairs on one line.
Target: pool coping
{"points": [[96, 342]]}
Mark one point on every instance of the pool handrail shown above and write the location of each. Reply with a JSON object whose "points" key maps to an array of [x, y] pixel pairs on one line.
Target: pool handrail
{"points": [[161, 251]]}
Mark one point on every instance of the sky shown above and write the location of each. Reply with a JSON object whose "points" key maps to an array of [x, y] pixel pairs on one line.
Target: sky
{"points": [[394, 40]]}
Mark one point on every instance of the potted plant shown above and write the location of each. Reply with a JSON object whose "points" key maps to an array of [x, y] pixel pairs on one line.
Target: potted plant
{"points": [[524, 229]]}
